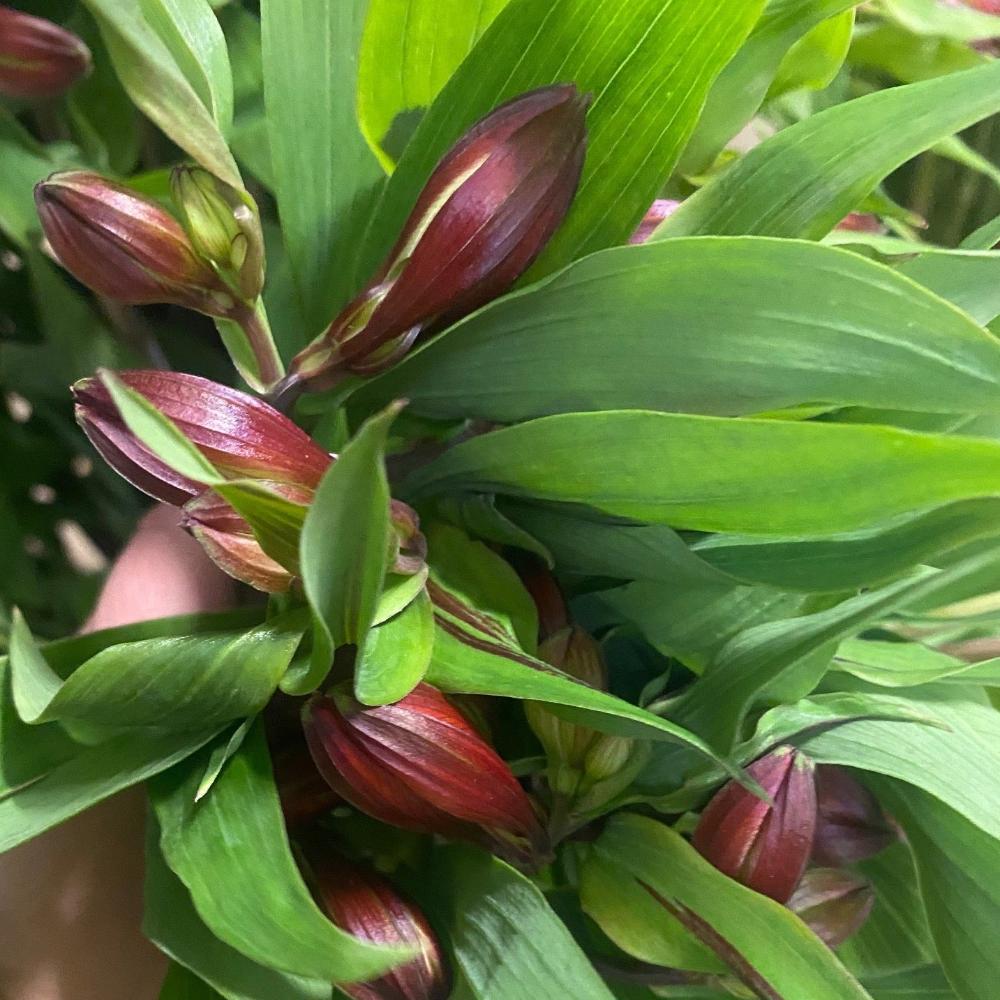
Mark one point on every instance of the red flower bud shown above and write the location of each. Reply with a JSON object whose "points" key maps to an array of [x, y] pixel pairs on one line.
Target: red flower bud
{"points": [[661, 209], [366, 905], [850, 825], [835, 904], [487, 211], [420, 765], [125, 246], [763, 845], [37, 57], [242, 436], [304, 795], [861, 222], [553, 615]]}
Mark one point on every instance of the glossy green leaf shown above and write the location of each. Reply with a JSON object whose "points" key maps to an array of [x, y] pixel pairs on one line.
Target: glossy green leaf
{"points": [[908, 664], [395, 656], [172, 923], [806, 178], [768, 477], [767, 947], [649, 64], [181, 684], [156, 83], [508, 943], [423, 41], [181, 984], [344, 551], [957, 865], [852, 559], [814, 61], [191, 31], [270, 918], [744, 83], [324, 172], [633, 327]]}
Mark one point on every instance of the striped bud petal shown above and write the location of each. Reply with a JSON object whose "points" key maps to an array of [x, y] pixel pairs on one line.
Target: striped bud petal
{"points": [[38, 59]]}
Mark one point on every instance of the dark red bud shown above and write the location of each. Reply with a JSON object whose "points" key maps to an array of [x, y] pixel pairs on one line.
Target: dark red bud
{"points": [[364, 904], [553, 615], [419, 764], [485, 214], [660, 210], [763, 845], [242, 436], [125, 246], [835, 904], [304, 795], [38, 58], [850, 825]]}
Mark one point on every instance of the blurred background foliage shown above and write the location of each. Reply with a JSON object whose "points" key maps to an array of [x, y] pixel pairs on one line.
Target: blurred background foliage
{"points": [[64, 515]]}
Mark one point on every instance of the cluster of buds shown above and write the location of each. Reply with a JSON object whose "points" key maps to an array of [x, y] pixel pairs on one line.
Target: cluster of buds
{"points": [[419, 764], [244, 438], [364, 904], [485, 214], [586, 769], [819, 815], [128, 248], [38, 59]]}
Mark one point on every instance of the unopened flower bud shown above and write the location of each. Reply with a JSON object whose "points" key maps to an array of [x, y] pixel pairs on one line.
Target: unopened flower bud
{"points": [[835, 904], [125, 246], [364, 904], [764, 845], [660, 210], [224, 227], [553, 615], [38, 58], [420, 765], [861, 222], [485, 214], [850, 824], [304, 795]]}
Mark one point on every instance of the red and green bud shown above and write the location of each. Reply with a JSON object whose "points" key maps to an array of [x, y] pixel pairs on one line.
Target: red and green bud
{"points": [[241, 435], [553, 615], [38, 59], [850, 824], [223, 225], [364, 904], [485, 214], [419, 764], [124, 246], [763, 845], [658, 212], [835, 904]]}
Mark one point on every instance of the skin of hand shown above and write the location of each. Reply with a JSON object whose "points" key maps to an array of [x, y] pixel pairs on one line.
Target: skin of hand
{"points": [[71, 899]]}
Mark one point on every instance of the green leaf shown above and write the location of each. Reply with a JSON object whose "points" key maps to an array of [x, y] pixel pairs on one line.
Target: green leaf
{"points": [[814, 61], [270, 918], [149, 72], [172, 923], [649, 64], [908, 664], [852, 559], [957, 865], [768, 477], [632, 327], [743, 84], [324, 173], [805, 179], [965, 277], [181, 684], [925, 17], [396, 655], [191, 32], [928, 983], [344, 551], [499, 672], [181, 984], [423, 41], [767, 946], [508, 943]]}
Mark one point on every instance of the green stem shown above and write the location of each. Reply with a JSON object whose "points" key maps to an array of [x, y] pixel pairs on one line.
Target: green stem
{"points": [[252, 320]]}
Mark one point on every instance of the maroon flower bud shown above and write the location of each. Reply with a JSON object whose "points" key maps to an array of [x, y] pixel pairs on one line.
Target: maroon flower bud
{"points": [[553, 615], [125, 246], [835, 904], [37, 57], [764, 845], [242, 436], [850, 824], [304, 795], [661, 209], [487, 211], [861, 222], [366, 905], [419, 764]]}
